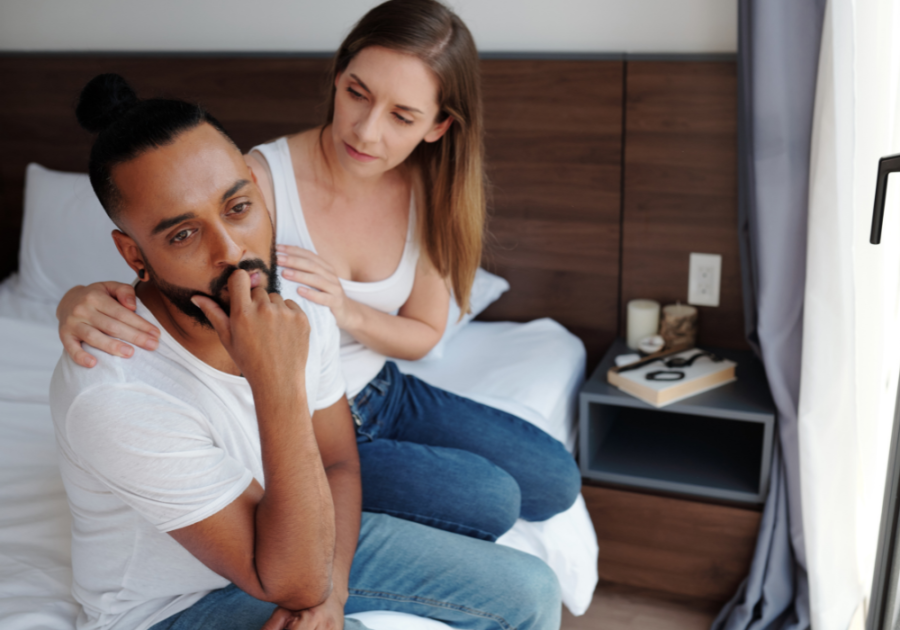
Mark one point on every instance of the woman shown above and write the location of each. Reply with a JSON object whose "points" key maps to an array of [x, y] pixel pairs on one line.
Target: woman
{"points": [[389, 197]]}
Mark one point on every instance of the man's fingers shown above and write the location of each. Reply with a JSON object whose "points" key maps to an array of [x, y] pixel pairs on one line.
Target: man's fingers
{"points": [[239, 290], [260, 295], [281, 619], [214, 314], [291, 304]]}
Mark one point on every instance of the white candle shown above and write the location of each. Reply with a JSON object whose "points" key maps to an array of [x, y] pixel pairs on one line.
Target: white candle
{"points": [[643, 320]]}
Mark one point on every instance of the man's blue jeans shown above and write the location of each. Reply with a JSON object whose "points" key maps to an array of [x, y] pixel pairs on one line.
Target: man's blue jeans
{"points": [[433, 457], [407, 567]]}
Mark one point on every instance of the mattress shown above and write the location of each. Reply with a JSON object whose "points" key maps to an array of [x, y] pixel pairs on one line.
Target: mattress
{"points": [[533, 370]]}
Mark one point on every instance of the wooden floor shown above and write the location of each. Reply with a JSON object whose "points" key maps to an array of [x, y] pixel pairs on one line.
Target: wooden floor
{"points": [[625, 608]]}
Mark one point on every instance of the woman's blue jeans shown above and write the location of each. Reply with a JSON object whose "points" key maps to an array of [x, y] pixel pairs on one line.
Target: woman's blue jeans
{"points": [[436, 458]]}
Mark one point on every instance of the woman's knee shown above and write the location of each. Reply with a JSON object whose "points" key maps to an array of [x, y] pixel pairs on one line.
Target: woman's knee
{"points": [[497, 504], [451, 489], [560, 487], [486, 503]]}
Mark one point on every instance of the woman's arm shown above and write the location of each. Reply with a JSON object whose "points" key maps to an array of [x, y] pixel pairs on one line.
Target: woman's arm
{"points": [[102, 314], [409, 335]]}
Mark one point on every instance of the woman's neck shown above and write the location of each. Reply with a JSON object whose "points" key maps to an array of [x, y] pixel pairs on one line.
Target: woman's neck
{"points": [[343, 183]]}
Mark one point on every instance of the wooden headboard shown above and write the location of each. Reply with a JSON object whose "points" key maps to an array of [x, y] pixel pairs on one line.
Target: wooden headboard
{"points": [[606, 172]]}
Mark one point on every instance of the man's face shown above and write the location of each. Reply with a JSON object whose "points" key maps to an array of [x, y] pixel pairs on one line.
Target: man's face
{"points": [[195, 215]]}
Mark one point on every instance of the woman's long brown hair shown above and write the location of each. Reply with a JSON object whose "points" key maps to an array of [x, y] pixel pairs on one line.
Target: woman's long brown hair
{"points": [[452, 168]]}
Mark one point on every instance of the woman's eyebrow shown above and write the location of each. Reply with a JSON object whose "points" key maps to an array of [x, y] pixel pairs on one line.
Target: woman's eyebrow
{"points": [[360, 81], [405, 108]]}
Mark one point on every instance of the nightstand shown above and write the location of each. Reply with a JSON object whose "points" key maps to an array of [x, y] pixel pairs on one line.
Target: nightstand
{"points": [[717, 444]]}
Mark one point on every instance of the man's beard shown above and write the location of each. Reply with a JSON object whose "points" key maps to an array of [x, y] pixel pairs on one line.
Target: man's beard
{"points": [[181, 297]]}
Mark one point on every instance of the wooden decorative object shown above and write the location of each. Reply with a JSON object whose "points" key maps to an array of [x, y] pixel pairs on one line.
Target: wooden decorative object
{"points": [[679, 325]]}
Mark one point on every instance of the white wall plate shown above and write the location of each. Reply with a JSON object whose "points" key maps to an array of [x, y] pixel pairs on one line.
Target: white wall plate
{"points": [[704, 279]]}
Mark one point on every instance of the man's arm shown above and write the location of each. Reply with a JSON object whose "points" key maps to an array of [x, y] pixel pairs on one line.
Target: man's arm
{"points": [[276, 544], [337, 444]]}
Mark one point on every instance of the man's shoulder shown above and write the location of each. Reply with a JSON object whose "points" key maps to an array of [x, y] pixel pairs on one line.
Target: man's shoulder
{"points": [[70, 379], [110, 377]]}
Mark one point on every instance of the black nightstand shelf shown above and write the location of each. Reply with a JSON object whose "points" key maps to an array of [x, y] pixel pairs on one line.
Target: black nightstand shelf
{"points": [[716, 445]]}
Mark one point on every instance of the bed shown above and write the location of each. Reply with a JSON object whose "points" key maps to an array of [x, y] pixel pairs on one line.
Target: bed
{"points": [[531, 369]]}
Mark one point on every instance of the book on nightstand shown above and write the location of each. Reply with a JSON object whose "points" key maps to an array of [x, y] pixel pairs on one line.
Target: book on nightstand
{"points": [[703, 373]]}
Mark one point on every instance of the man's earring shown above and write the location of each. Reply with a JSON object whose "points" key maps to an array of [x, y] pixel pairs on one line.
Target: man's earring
{"points": [[141, 274]]}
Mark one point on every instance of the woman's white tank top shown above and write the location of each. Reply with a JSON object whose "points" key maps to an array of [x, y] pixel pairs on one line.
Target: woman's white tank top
{"points": [[360, 363]]}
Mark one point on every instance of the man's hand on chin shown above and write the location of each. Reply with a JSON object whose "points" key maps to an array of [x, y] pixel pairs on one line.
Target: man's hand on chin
{"points": [[267, 337], [329, 615]]}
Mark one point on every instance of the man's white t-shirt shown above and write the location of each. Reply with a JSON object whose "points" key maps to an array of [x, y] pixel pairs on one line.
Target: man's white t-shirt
{"points": [[155, 443]]}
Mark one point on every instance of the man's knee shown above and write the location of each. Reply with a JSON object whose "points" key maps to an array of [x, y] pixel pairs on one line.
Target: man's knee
{"points": [[536, 587]]}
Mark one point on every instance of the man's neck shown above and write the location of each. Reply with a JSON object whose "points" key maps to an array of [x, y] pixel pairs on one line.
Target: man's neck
{"points": [[201, 341]]}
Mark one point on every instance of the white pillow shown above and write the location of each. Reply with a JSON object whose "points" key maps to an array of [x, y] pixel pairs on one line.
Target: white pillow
{"points": [[485, 291], [66, 237]]}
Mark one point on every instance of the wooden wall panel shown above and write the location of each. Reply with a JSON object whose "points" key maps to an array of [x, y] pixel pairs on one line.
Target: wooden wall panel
{"points": [[554, 132], [256, 100], [553, 149], [680, 187], [675, 546]]}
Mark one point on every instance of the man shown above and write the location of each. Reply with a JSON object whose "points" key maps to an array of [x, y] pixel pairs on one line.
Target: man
{"points": [[214, 483]]}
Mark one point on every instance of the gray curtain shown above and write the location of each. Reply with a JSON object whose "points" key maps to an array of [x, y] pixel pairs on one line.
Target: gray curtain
{"points": [[778, 53]]}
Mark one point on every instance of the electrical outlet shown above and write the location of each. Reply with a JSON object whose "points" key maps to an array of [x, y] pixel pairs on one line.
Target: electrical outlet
{"points": [[704, 278]]}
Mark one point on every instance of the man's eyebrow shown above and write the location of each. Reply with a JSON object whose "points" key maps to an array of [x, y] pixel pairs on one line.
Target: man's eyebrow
{"points": [[165, 224], [234, 188], [405, 108]]}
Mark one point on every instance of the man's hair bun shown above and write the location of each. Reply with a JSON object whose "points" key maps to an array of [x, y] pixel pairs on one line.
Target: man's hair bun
{"points": [[103, 100]]}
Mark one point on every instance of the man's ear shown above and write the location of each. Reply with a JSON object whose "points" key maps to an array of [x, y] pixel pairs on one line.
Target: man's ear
{"points": [[437, 132], [249, 162], [130, 251]]}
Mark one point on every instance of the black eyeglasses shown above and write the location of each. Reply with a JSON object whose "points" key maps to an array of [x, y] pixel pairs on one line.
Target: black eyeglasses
{"points": [[678, 362]]}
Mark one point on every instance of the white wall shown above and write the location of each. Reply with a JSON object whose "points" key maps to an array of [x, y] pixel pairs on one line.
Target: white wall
{"points": [[639, 26]]}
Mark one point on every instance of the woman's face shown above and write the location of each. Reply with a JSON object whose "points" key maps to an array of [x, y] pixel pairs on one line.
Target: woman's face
{"points": [[385, 104]]}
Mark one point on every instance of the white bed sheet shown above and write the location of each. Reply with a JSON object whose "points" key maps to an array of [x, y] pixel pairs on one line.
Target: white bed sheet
{"points": [[35, 572]]}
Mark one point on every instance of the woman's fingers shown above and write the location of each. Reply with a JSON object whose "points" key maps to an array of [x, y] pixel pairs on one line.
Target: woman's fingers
{"points": [[124, 293], [96, 339], [128, 331], [302, 260], [73, 348], [133, 328], [313, 280], [316, 297]]}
